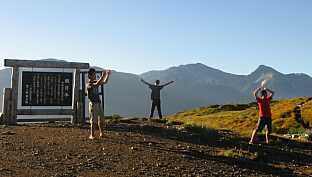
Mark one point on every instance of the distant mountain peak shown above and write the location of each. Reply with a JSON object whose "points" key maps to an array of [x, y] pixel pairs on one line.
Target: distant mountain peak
{"points": [[263, 69], [192, 65], [198, 66]]}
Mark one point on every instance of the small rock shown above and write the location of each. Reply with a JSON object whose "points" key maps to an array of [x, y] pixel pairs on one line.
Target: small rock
{"points": [[8, 133], [133, 148], [3, 126]]}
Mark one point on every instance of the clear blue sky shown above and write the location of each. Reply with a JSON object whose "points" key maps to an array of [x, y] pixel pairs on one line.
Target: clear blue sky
{"points": [[140, 35]]}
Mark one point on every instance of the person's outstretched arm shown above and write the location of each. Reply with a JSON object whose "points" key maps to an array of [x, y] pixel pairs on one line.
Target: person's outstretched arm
{"points": [[271, 92], [108, 73], [103, 79], [167, 83], [142, 80], [256, 92]]}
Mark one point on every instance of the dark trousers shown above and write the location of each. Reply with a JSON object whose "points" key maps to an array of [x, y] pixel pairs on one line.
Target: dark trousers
{"points": [[156, 103], [262, 122]]}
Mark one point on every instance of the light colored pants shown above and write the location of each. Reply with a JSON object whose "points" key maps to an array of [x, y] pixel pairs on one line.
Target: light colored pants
{"points": [[95, 112]]}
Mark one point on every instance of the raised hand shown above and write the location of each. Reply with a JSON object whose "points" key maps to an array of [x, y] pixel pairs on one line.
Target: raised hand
{"points": [[109, 72], [103, 73]]}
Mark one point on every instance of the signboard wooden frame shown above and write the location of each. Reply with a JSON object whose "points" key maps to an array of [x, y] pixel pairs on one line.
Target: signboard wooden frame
{"points": [[18, 66]]}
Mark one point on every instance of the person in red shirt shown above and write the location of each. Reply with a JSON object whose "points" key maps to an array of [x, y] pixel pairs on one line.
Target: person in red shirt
{"points": [[265, 115]]}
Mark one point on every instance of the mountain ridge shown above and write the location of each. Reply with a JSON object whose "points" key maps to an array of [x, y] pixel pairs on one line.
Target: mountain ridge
{"points": [[195, 85]]}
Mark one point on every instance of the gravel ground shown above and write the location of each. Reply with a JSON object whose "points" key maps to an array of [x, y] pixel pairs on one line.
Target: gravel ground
{"points": [[140, 148]]}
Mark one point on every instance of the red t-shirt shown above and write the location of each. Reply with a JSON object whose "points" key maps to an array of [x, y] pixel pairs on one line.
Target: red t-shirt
{"points": [[264, 107]]}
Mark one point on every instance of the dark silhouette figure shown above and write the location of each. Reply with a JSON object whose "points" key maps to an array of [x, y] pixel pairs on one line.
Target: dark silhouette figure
{"points": [[155, 96], [299, 118]]}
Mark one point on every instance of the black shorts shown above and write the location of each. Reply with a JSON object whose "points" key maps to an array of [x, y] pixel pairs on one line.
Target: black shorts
{"points": [[262, 122]]}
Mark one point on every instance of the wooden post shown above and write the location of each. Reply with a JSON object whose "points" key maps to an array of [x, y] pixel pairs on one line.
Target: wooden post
{"points": [[14, 98], [80, 119], [76, 96], [6, 106], [83, 80]]}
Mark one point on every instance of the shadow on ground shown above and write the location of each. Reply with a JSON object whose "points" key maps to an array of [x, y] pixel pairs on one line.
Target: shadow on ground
{"points": [[281, 151]]}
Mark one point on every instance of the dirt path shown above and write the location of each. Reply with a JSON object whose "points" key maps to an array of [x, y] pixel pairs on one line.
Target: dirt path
{"points": [[139, 148]]}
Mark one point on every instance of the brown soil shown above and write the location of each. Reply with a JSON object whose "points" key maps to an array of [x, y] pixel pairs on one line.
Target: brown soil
{"points": [[139, 148]]}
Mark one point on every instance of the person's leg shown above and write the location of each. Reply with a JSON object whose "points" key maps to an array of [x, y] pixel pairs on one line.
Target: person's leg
{"points": [[100, 127], [252, 139], [152, 109], [258, 128], [92, 117], [268, 131], [100, 119], [159, 109], [267, 136], [91, 132]]}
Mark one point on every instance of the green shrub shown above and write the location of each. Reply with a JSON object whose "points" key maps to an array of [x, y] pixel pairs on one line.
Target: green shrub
{"points": [[296, 130], [236, 107], [203, 132], [214, 106], [286, 114], [172, 122], [114, 118], [162, 121], [240, 154]]}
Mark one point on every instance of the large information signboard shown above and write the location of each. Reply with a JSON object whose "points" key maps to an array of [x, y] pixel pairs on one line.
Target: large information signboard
{"points": [[47, 88]]}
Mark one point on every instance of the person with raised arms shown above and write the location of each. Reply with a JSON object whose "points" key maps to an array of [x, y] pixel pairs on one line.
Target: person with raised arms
{"points": [[155, 96], [265, 114], [96, 111]]}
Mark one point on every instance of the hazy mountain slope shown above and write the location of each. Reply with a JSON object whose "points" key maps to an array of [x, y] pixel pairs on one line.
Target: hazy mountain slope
{"points": [[285, 85], [195, 85], [126, 95]]}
